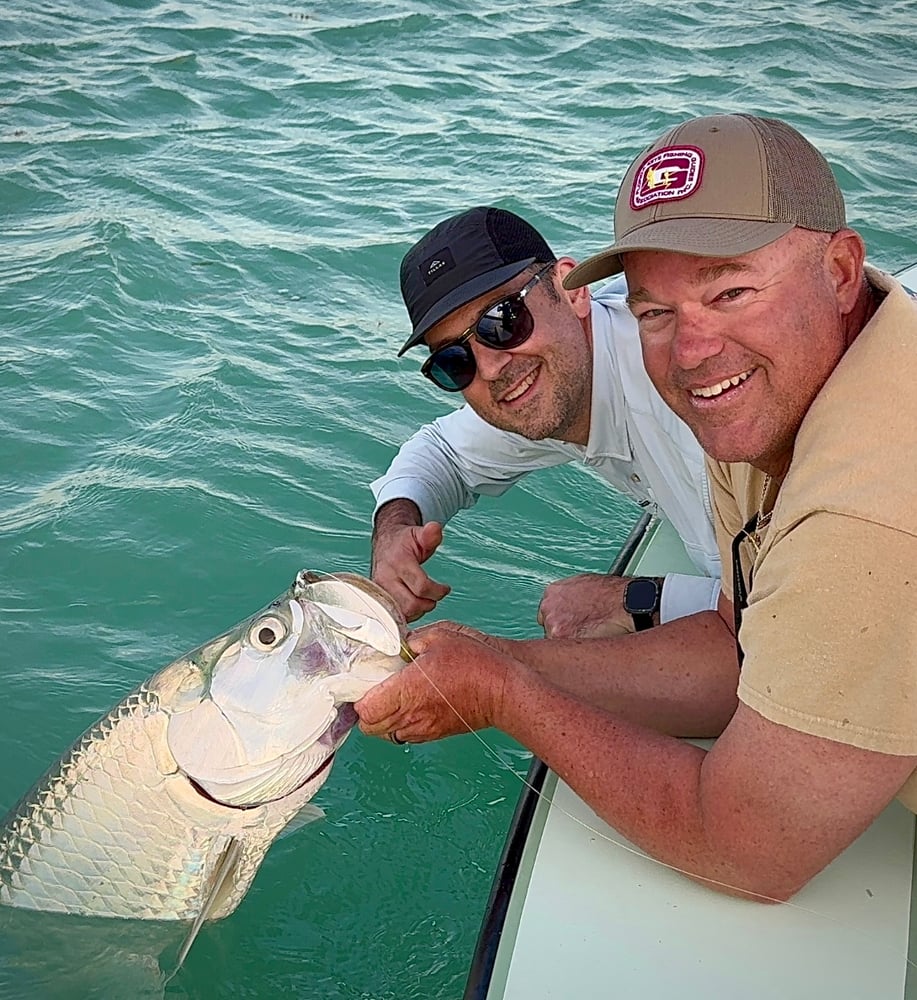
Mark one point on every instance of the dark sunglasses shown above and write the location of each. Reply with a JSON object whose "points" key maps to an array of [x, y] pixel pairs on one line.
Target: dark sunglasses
{"points": [[507, 324], [739, 589]]}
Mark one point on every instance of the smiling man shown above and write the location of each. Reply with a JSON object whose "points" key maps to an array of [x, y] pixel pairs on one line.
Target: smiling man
{"points": [[548, 377], [793, 364]]}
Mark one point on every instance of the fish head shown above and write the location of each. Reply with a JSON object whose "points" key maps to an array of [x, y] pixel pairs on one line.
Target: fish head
{"points": [[260, 711]]}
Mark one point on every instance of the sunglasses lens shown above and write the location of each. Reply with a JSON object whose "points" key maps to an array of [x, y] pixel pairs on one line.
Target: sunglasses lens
{"points": [[503, 327], [451, 368], [507, 325]]}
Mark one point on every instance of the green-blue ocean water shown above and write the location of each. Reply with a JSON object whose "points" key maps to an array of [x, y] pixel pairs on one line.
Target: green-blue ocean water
{"points": [[204, 206]]}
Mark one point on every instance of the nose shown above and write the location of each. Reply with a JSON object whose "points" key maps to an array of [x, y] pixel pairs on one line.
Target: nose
{"points": [[697, 336], [490, 363]]}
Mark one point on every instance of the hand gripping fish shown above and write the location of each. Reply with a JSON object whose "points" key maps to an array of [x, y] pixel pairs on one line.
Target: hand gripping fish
{"points": [[166, 807]]}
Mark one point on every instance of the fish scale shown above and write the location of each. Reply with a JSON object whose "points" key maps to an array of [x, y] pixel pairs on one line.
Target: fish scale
{"points": [[73, 846], [130, 822]]}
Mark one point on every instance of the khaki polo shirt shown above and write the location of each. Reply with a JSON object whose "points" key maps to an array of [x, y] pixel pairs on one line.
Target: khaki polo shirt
{"points": [[830, 631]]}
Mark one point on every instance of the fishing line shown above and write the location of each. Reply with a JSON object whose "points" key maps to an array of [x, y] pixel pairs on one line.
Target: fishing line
{"points": [[408, 655]]}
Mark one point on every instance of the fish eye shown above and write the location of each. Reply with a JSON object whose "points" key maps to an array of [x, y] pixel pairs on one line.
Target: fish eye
{"points": [[267, 633]]}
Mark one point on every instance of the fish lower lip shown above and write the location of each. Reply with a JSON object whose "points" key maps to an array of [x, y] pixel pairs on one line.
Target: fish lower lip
{"points": [[326, 763]]}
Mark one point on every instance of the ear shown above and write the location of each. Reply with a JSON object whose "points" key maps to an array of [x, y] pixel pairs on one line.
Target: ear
{"points": [[844, 257], [579, 298]]}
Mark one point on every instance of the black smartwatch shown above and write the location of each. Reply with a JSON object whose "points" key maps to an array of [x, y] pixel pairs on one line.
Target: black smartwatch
{"points": [[641, 600]]}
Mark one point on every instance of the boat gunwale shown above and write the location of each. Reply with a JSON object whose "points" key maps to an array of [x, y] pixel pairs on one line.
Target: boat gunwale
{"points": [[486, 950]]}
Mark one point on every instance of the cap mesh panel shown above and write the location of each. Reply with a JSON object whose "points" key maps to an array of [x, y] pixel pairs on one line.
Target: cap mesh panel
{"points": [[514, 239], [802, 188]]}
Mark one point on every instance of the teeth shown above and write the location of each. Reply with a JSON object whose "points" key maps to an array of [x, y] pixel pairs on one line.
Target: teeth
{"points": [[715, 390], [523, 385]]}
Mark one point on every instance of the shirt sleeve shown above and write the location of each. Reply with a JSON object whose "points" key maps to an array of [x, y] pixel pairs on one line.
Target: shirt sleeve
{"points": [[830, 633], [452, 461], [684, 595]]}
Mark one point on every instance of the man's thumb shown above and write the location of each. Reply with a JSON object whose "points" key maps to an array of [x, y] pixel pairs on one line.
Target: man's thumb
{"points": [[429, 539]]}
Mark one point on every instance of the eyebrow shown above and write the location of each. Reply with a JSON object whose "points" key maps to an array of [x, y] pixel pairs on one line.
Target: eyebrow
{"points": [[715, 271], [710, 273], [640, 295]]}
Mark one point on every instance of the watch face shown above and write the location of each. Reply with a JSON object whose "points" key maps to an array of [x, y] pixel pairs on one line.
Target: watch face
{"points": [[640, 597]]}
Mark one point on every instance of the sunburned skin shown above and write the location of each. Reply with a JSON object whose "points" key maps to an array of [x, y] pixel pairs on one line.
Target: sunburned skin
{"points": [[735, 349]]}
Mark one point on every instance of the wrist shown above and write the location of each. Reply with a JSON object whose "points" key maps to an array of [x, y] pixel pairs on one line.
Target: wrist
{"points": [[506, 692], [390, 518], [399, 513]]}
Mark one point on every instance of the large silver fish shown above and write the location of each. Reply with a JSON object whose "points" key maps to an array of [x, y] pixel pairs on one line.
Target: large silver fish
{"points": [[165, 808]]}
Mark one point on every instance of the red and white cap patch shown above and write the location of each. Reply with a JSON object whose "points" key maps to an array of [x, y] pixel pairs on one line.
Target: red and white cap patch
{"points": [[669, 174]]}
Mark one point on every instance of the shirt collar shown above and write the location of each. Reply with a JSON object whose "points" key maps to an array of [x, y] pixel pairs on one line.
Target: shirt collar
{"points": [[608, 437]]}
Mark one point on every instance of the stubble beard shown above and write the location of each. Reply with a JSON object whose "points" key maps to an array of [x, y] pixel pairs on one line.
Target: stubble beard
{"points": [[540, 419]]}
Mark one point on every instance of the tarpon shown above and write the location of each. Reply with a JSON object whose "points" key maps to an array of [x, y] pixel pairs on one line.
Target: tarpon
{"points": [[166, 807]]}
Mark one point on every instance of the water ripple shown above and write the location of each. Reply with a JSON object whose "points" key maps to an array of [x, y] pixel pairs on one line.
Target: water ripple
{"points": [[205, 206]]}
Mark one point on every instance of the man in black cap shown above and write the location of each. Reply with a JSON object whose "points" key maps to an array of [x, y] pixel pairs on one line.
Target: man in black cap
{"points": [[549, 377]]}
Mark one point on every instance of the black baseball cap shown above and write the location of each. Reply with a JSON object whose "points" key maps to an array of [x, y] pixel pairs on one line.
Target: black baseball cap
{"points": [[463, 257]]}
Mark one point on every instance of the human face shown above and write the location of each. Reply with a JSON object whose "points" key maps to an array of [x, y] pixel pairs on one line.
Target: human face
{"points": [[739, 347], [508, 324], [543, 388]]}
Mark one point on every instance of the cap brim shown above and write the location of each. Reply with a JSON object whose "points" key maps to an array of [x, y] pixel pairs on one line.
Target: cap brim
{"points": [[695, 237], [481, 284]]}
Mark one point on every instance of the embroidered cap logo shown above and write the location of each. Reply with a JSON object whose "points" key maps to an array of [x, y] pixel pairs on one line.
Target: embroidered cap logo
{"points": [[669, 174], [436, 266]]}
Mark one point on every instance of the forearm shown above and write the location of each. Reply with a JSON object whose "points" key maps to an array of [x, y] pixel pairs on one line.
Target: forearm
{"points": [[394, 514], [647, 785], [679, 678], [432, 468]]}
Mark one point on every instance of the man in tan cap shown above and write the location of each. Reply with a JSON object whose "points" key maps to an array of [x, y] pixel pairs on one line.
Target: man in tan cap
{"points": [[764, 331]]}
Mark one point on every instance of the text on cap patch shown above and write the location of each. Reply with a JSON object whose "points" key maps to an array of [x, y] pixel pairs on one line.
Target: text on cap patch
{"points": [[669, 174], [436, 266]]}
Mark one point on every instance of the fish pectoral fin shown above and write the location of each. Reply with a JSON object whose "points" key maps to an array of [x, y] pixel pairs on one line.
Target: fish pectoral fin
{"points": [[308, 814], [214, 893]]}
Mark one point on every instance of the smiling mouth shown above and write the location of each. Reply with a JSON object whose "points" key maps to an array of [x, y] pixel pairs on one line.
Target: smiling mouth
{"points": [[710, 391], [522, 388]]}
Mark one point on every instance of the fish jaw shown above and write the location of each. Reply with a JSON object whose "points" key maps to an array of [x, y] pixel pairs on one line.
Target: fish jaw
{"points": [[360, 611], [258, 733], [271, 711]]}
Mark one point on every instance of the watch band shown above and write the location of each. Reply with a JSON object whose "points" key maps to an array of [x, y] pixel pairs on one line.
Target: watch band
{"points": [[642, 621]]}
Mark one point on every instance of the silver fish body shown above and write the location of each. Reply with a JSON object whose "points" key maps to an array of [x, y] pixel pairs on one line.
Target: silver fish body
{"points": [[166, 807]]}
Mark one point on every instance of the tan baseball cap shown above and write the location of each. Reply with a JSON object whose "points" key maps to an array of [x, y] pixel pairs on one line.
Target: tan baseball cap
{"points": [[719, 186]]}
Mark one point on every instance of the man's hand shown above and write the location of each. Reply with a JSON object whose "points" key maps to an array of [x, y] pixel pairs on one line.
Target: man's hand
{"points": [[454, 685], [585, 606], [400, 544]]}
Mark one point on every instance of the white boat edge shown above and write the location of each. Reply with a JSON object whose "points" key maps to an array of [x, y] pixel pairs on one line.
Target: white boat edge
{"points": [[577, 911]]}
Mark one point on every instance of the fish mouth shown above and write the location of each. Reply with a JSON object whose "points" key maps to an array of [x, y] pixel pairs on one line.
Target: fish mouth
{"points": [[325, 764]]}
